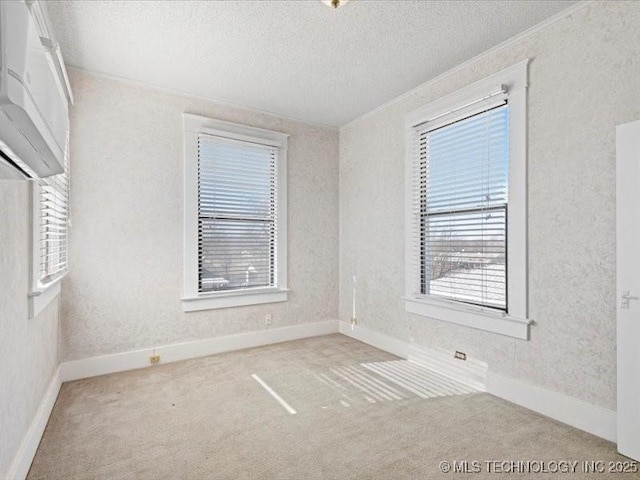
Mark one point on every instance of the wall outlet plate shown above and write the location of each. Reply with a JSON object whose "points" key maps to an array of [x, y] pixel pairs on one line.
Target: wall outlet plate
{"points": [[460, 355]]}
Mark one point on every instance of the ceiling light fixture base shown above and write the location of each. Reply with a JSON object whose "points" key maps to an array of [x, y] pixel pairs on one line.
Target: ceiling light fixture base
{"points": [[335, 3]]}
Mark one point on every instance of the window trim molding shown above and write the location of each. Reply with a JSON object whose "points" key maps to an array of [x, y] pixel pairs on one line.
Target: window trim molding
{"points": [[39, 299], [40, 294], [516, 322], [192, 299]]}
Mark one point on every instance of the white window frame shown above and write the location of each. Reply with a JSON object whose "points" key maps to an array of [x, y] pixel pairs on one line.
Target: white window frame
{"points": [[40, 293], [192, 299], [514, 322]]}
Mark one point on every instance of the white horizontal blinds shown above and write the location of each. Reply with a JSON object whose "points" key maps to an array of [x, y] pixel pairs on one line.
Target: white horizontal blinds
{"points": [[237, 214], [463, 207], [54, 224]]}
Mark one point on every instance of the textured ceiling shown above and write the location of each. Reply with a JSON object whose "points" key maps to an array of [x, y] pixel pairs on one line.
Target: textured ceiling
{"points": [[295, 58]]}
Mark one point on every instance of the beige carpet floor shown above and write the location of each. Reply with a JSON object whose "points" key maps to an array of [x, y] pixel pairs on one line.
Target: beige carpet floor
{"points": [[210, 418]]}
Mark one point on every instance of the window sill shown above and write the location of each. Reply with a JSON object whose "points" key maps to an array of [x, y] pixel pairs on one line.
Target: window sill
{"points": [[469, 316], [210, 301], [42, 296]]}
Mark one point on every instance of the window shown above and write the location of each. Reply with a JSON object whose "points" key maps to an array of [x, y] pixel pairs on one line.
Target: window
{"points": [[235, 231], [466, 206], [463, 212], [50, 247]]}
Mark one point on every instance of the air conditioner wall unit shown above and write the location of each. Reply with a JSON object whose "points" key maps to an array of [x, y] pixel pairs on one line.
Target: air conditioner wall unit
{"points": [[34, 93]]}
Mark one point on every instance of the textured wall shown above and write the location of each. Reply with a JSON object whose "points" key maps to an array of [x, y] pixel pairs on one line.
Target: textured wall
{"points": [[124, 289], [28, 347], [584, 79]]}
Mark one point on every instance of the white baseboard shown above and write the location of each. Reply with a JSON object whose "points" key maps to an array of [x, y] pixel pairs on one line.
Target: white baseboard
{"points": [[375, 339], [585, 416], [19, 468], [591, 418], [118, 362], [91, 367], [470, 372]]}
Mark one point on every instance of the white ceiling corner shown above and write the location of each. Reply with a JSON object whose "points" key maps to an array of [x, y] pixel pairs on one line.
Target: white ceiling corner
{"points": [[292, 58]]}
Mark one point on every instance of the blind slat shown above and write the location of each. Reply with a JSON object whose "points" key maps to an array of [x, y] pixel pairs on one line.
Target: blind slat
{"points": [[462, 200], [53, 224], [237, 212]]}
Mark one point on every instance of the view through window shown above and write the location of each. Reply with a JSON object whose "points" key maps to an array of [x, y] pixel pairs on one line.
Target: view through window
{"points": [[236, 214], [463, 208]]}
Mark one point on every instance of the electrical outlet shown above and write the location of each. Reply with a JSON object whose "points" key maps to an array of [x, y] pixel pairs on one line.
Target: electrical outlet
{"points": [[460, 355], [268, 320], [154, 359]]}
